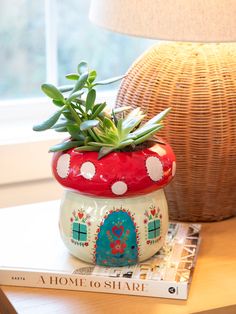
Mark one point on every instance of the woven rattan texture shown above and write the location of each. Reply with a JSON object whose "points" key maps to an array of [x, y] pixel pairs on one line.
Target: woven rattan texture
{"points": [[199, 82]]}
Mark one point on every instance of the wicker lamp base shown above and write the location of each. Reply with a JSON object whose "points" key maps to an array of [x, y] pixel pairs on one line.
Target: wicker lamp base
{"points": [[199, 82]]}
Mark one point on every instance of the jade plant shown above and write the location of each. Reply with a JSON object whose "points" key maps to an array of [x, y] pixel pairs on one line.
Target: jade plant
{"points": [[94, 126]]}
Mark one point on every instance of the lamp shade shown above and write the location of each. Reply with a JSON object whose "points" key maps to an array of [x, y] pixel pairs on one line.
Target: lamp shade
{"points": [[179, 20]]}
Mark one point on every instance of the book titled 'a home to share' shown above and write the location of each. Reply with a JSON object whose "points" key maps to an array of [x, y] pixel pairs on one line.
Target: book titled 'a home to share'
{"points": [[39, 259]]}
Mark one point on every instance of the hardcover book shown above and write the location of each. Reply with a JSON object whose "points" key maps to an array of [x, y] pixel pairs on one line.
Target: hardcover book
{"points": [[43, 262]]}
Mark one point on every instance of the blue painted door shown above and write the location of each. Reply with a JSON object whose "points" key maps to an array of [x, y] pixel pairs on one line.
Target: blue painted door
{"points": [[117, 241]]}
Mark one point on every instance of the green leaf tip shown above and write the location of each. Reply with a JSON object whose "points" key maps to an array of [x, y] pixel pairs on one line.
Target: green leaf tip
{"points": [[52, 92], [88, 124], [48, 123]]}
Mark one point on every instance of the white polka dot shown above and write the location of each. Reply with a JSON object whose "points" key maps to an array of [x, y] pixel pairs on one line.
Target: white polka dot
{"points": [[154, 168], [158, 149], [63, 166], [173, 168], [119, 188], [88, 170]]}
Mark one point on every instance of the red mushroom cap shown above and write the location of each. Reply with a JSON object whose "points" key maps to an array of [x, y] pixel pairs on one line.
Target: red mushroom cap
{"points": [[119, 174]]}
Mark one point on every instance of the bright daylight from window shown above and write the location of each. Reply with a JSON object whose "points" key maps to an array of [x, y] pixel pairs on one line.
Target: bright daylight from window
{"points": [[42, 41], [23, 56]]}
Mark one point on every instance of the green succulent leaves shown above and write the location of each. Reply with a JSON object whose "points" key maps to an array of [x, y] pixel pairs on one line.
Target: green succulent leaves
{"points": [[82, 67], [90, 99], [52, 92], [49, 122], [91, 126], [85, 125], [65, 145], [110, 81]]}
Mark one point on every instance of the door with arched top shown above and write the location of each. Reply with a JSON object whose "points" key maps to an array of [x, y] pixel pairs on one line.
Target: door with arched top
{"points": [[116, 243]]}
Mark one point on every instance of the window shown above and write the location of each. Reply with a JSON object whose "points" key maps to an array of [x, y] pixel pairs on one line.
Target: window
{"points": [[154, 229], [78, 39], [22, 53], [79, 231], [42, 41]]}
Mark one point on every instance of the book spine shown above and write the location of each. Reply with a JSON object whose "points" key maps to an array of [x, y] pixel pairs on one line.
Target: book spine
{"points": [[67, 281]]}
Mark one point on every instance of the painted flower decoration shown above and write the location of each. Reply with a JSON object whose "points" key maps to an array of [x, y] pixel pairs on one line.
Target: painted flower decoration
{"points": [[117, 247]]}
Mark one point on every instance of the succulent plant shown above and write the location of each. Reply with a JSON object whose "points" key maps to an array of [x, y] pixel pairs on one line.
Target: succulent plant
{"points": [[93, 126]]}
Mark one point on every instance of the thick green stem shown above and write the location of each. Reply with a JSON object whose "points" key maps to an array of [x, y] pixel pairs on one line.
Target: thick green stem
{"points": [[74, 114]]}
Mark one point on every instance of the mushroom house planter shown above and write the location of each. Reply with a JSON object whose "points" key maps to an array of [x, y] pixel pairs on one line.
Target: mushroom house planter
{"points": [[114, 211]]}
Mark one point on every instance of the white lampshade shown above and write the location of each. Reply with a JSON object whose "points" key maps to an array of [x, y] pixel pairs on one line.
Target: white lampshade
{"points": [[179, 20]]}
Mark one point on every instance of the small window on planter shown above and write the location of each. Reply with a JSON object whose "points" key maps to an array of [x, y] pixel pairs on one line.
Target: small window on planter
{"points": [[79, 231], [154, 229]]}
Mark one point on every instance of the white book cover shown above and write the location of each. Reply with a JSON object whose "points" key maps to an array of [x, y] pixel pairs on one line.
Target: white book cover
{"points": [[33, 255]]}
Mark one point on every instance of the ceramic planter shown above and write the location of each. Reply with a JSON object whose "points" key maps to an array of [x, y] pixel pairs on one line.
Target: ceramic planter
{"points": [[114, 211]]}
